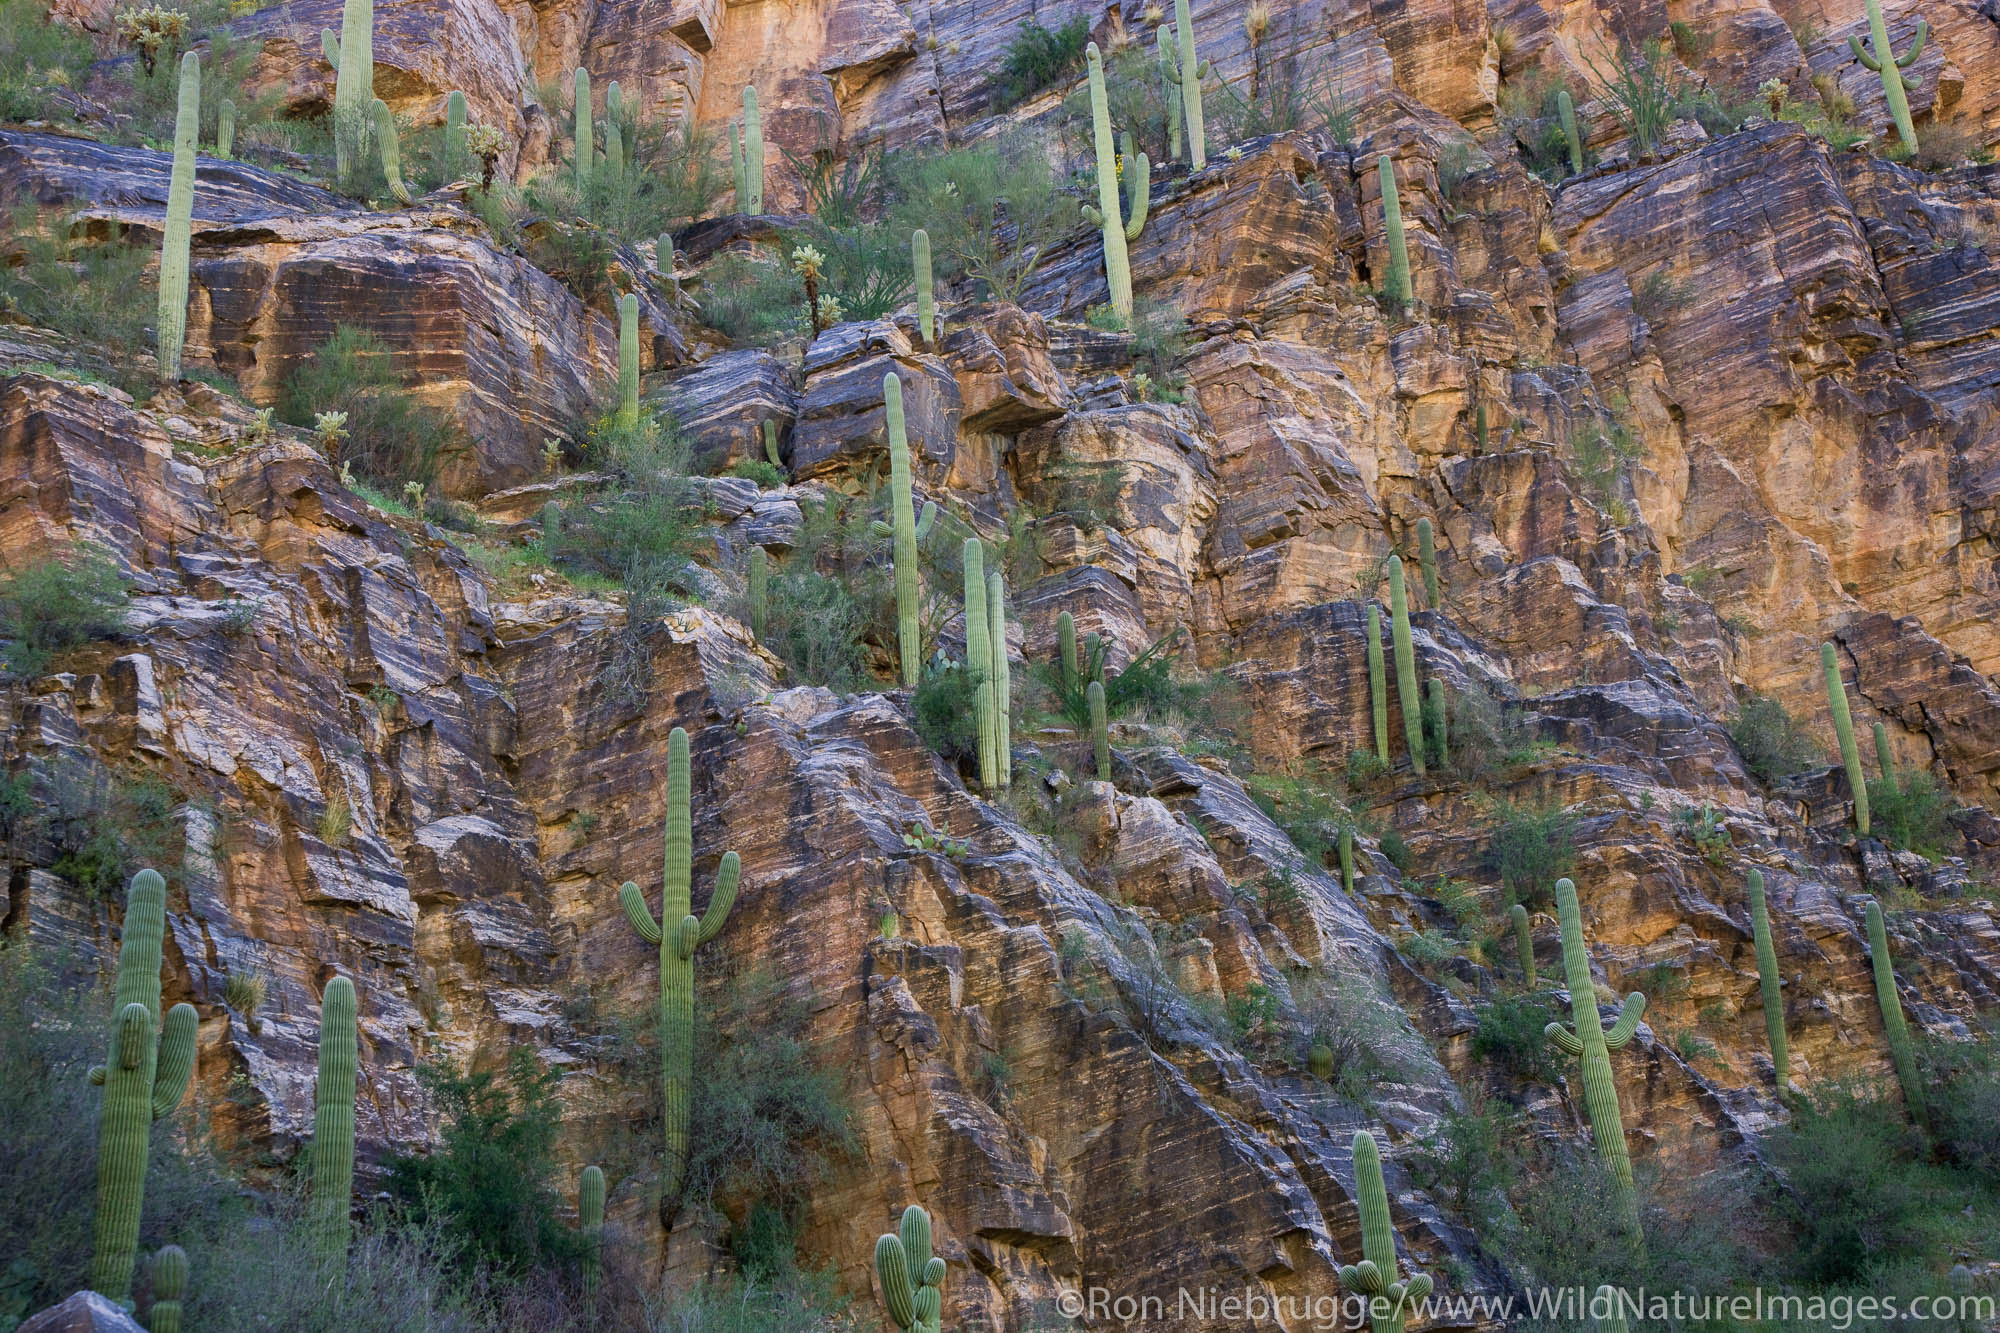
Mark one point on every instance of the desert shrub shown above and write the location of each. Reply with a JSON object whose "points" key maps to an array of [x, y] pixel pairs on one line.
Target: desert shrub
{"points": [[1528, 110], [1601, 455], [865, 260], [1304, 807], [1854, 1187], [992, 210], [1772, 743], [943, 710], [1912, 812], [642, 531], [815, 626], [752, 301], [1510, 1033], [1039, 58], [1645, 89], [60, 602], [104, 827], [392, 438], [728, 1305], [1467, 1160], [1135, 96], [39, 58], [1146, 684], [1531, 846], [97, 297], [1967, 1107], [756, 469], [1703, 826], [1088, 493], [1285, 95], [1341, 1010]]}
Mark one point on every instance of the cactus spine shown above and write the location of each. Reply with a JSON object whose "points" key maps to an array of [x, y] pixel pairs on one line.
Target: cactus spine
{"points": [[1593, 1045], [1375, 1276], [912, 1277], [455, 160], [225, 127], [1566, 108], [679, 933], [1192, 72], [1427, 560], [1406, 665], [590, 1223], [1346, 859], [979, 657], [1396, 283], [1893, 1025], [1843, 726], [170, 1281], [760, 582], [1100, 729], [1107, 214], [392, 151], [628, 357], [1002, 702], [143, 1080], [1767, 980], [1170, 78], [1066, 658], [614, 131], [1885, 62], [903, 525], [1524, 944], [920, 260], [179, 227], [586, 132], [1884, 758], [746, 154], [1378, 685], [353, 57], [333, 1123]]}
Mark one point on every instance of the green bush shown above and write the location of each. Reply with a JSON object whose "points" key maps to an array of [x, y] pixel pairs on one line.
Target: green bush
{"points": [[1645, 90], [993, 210], [757, 470], [1510, 1032], [38, 59], [1968, 1105], [98, 297], [1360, 1026], [59, 602], [1913, 813], [726, 1305], [1772, 743], [751, 301], [1467, 1160], [104, 828], [391, 437], [1856, 1192], [1304, 808], [1531, 846], [1147, 684], [943, 710], [1038, 58], [815, 626]]}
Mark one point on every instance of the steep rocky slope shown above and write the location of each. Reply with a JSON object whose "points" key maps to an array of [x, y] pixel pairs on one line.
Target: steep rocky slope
{"points": [[1812, 425]]}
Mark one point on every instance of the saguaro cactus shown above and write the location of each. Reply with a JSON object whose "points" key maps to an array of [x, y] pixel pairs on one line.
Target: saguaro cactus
{"points": [[678, 934], [1067, 661], [392, 151], [455, 159], [1884, 758], [1427, 560], [614, 131], [912, 1277], [1107, 214], [628, 358], [590, 1225], [903, 523], [1843, 726], [1406, 665], [1896, 85], [1566, 109], [1396, 282], [1378, 685], [760, 583], [1479, 427], [1170, 79], [179, 226], [1191, 72], [352, 55], [771, 454], [1002, 702], [1346, 859], [1375, 1276], [1100, 729], [1524, 944], [979, 657], [225, 127], [586, 131], [1901, 1053], [170, 1281], [143, 1079], [1437, 722], [1767, 980], [333, 1123], [1593, 1045], [746, 155], [920, 260], [1613, 1319]]}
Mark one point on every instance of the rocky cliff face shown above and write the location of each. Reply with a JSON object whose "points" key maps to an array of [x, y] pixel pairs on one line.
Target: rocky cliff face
{"points": [[387, 768]]}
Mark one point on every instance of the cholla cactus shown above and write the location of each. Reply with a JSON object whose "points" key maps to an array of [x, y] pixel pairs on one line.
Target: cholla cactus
{"points": [[806, 262], [260, 426], [413, 496], [329, 429], [151, 30], [551, 455], [484, 142], [1774, 92]]}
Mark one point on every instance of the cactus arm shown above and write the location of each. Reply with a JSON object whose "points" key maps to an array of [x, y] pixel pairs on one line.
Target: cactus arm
{"points": [[176, 1060], [1140, 178], [1868, 62], [329, 46], [392, 152], [687, 937], [1092, 215], [1524, 944], [1885, 759], [927, 520], [1563, 1039], [735, 136], [1630, 1014], [1170, 76], [727, 877], [898, 1292], [979, 653], [1916, 46], [636, 911]]}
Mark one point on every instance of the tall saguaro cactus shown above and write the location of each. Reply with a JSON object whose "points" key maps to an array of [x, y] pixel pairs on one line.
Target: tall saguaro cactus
{"points": [[903, 524], [912, 1277], [614, 131], [1347, 859], [1107, 214], [1375, 1276], [1427, 560], [1396, 282], [1524, 944], [1896, 85], [179, 226], [333, 1123], [1100, 729], [1843, 726], [746, 155], [170, 1281], [1901, 1053], [1191, 72], [590, 1224], [920, 261], [455, 157], [1609, 1300], [760, 597], [391, 149], [1170, 79], [1566, 109], [1406, 664], [143, 1079], [1378, 684], [979, 657], [586, 131], [628, 358], [1767, 979], [679, 933], [352, 56], [1885, 758], [225, 127], [1067, 662], [1593, 1045], [1002, 702]]}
